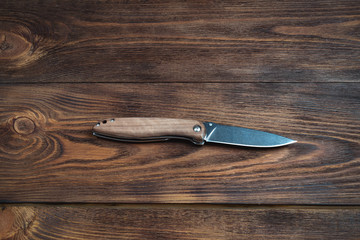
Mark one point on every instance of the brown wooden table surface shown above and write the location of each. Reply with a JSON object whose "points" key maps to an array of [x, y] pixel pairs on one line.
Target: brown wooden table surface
{"points": [[289, 67]]}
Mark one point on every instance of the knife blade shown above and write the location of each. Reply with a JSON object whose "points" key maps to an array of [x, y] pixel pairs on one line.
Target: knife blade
{"points": [[159, 129]]}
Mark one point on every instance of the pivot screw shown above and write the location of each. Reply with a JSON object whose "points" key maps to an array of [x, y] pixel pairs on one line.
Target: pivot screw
{"points": [[197, 128]]}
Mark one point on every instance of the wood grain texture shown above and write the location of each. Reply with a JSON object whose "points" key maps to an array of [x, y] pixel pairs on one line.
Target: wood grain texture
{"points": [[179, 222], [289, 67], [151, 129], [180, 41], [48, 153]]}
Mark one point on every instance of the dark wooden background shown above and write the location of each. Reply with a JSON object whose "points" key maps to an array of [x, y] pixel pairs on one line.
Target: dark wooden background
{"points": [[289, 67]]}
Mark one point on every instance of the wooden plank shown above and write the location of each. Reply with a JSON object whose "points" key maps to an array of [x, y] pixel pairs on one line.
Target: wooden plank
{"points": [[186, 222], [48, 154], [179, 41]]}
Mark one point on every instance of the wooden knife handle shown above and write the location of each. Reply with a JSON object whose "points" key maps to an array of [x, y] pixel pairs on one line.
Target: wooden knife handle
{"points": [[150, 129]]}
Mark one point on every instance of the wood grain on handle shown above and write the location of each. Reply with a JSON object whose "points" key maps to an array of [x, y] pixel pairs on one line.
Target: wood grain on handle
{"points": [[151, 129]]}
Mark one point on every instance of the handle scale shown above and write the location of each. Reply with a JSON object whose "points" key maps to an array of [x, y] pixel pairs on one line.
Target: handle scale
{"points": [[150, 129]]}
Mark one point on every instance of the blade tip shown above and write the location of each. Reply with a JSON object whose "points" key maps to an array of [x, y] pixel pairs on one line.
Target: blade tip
{"points": [[284, 144], [290, 142]]}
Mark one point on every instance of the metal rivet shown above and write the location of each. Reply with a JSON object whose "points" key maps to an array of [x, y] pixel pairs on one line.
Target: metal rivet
{"points": [[98, 124], [210, 124], [196, 128], [112, 120]]}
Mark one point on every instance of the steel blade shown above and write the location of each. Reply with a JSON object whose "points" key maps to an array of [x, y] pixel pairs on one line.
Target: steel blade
{"points": [[217, 133]]}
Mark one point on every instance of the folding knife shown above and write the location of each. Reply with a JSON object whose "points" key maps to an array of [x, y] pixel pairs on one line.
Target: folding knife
{"points": [[158, 129]]}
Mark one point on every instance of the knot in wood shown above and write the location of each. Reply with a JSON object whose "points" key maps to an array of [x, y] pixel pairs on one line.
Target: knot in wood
{"points": [[13, 46], [24, 125]]}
